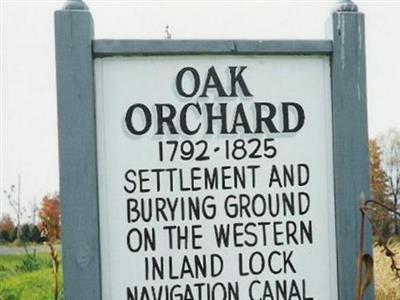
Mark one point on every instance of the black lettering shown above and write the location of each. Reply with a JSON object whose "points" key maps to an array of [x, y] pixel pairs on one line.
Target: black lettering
{"points": [[128, 177], [183, 119], [237, 78], [212, 81], [147, 119], [296, 109], [196, 81], [167, 119], [240, 120]]}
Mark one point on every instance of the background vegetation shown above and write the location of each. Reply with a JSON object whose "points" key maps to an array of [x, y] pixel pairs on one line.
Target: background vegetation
{"points": [[22, 281], [387, 286], [385, 189], [31, 275]]}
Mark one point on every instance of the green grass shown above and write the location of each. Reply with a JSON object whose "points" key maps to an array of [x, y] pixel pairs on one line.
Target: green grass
{"points": [[18, 285]]}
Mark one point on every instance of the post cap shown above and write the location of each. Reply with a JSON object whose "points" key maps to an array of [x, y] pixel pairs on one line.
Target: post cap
{"points": [[75, 5], [346, 6]]}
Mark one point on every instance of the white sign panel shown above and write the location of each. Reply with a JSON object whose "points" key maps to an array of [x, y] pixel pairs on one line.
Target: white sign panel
{"points": [[215, 178]]}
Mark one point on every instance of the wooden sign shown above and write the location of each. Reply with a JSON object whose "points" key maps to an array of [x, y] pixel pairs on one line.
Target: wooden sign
{"points": [[215, 177], [211, 169]]}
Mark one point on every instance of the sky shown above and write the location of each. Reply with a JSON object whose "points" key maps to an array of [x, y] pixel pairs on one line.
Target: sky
{"points": [[27, 64]]}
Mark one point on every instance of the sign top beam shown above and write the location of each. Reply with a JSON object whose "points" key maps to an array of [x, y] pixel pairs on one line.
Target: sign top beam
{"points": [[106, 48]]}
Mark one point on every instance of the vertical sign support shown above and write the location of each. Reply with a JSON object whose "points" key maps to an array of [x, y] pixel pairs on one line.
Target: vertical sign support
{"points": [[350, 139], [77, 148]]}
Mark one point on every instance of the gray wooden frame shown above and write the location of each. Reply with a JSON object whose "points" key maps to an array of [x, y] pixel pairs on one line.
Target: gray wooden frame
{"points": [[105, 48], [350, 143], [77, 154], [75, 52]]}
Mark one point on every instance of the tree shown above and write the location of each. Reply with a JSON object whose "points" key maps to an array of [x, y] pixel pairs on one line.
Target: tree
{"points": [[25, 233], [390, 145], [14, 234], [15, 203], [6, 229], [6, 223], [50, 216], [379, 188], [35, 234]]}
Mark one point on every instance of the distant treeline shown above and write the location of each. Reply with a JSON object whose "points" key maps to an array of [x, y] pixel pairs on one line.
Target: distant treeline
{"points": [[49, 227]]}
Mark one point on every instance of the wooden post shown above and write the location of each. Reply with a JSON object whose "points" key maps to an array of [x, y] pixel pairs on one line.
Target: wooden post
{"points": [[350, 140], [77, 148]]}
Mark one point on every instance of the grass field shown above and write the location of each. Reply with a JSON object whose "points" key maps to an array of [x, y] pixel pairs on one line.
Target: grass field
{"points": [[17, 284]]}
